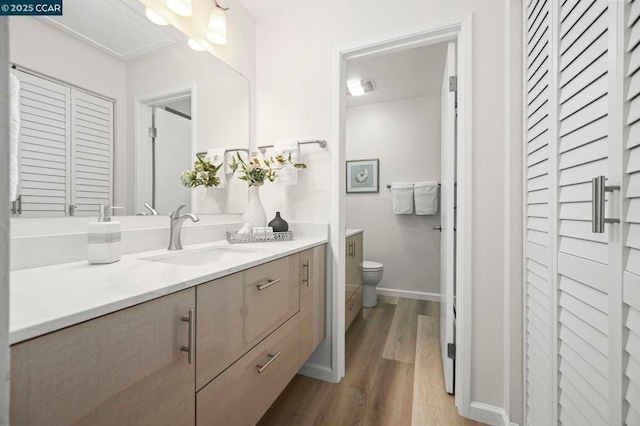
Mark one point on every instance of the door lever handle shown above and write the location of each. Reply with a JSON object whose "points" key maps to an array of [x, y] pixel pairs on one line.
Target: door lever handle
{"points": [[437, 228]]}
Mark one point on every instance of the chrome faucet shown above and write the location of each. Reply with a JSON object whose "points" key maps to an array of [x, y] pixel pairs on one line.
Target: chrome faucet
{"points": [[153, 211], [176, 225]]}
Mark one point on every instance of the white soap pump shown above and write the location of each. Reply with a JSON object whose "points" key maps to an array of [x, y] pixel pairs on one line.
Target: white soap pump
{"points": [[103, 238]]}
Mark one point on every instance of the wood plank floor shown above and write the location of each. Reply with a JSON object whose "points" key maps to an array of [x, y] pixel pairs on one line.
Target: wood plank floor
{"points": [[393, 375]]}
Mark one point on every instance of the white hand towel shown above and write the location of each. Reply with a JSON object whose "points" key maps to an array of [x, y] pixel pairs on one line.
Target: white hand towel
{"points": [[288, 174], [14, 135], [229, 159], [216, 156], [426, 197], [402, 197]]}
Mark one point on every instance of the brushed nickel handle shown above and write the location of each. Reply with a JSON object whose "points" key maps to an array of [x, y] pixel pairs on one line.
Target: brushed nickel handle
{"points": [[268, 284], [272, 358], [352, 306], [437, 228], [598, 189], [306, 265], [191, 349]]}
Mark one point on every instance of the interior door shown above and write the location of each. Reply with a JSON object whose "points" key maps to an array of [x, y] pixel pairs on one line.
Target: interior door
{"points": [[447, 217], [172, 156]]}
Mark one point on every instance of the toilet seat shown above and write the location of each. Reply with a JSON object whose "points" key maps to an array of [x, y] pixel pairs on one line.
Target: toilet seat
{"points": [[368, 265]]}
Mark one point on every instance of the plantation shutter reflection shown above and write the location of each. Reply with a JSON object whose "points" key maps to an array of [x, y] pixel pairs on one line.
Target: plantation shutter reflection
{"points": [[92, 130], [45, 150], [66, 149]]}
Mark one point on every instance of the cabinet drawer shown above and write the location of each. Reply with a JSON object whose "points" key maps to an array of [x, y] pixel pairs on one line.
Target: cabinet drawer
{"points": [[124, 368], [241, 395], [238, 311], [352, 308]]}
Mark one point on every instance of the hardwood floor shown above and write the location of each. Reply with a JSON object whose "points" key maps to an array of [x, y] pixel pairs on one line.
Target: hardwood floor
{"points": [[393, 375]]}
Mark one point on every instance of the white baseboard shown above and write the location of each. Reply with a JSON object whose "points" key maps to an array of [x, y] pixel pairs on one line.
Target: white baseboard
{"points": [[317, 371], [408, 294], [489, 414]]}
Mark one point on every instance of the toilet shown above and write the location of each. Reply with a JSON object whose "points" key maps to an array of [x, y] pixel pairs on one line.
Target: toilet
{"points": [[371, 276]]}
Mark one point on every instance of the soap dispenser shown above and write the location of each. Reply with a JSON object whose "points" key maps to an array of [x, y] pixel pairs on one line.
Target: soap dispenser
{"points": [[103, 238]]}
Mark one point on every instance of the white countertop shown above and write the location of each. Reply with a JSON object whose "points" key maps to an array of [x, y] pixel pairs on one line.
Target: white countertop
{"points": [[50, 298], [352, 231]]}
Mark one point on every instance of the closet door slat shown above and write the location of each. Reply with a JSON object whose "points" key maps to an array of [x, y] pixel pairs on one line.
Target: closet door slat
{"points": [[583, 258], [631, 274]]}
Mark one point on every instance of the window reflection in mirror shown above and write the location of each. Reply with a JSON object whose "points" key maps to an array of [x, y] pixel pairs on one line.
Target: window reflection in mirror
{"points": [[108, 76]]}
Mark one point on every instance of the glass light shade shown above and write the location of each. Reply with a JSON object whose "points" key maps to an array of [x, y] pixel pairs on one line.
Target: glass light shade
{"points": [[155, 17], [195, 45], [355, 88], [181, 7], [217, 29]]}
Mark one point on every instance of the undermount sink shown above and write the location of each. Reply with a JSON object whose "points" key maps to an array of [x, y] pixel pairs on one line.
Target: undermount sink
{"points": [[201, 257]]}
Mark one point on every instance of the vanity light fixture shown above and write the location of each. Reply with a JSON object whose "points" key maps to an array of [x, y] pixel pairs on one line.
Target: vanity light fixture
{"points": [[155, 17], [181, 7], [355, 88], [195, 45], [217, 29]]}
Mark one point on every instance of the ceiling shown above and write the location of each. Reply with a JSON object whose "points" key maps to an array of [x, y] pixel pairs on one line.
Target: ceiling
{"points": [[407, 74], [260, 8], [117, 27]]}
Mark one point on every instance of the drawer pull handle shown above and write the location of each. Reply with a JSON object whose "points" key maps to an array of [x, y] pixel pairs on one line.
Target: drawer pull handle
{"points": [[272, 357], [352, 306], [191, 349], [268, 284], [306, 265]]}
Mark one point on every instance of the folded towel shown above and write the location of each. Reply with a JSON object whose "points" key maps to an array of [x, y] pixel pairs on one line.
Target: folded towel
{"points": [[288, 174], [216, 156], [426, 197], [14, 135], [229, 159], [402, 197]]}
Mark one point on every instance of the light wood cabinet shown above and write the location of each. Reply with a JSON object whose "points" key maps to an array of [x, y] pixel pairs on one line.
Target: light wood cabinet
{"points": [[126, 368], [312, 297], [129, 367], [353, 306], [238, 311], [353, 279], [244, 392]]}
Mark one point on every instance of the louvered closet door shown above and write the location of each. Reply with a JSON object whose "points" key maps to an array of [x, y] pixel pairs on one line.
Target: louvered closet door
{"points": [[631, 275], [92, 144], [583, 277], [538, 278], [45, 153]]}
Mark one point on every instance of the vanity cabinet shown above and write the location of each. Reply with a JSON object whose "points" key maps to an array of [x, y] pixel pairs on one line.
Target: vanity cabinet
{"points": [[312, 297], [244, 392], [353, 278], [125, 368], [218, 353], [238, 311]]}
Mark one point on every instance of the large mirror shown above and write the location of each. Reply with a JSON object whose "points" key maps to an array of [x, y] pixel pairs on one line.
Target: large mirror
{"points": [[114, 108]]}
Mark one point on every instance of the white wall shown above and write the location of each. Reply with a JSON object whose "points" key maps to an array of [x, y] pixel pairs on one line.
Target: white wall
{"points": [[405, 136], [49, 51], [4, 224], [220, 115], [294, 76]]}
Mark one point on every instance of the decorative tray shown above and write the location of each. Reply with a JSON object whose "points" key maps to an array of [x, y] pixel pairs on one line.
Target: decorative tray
{"points": [[236, 238]]}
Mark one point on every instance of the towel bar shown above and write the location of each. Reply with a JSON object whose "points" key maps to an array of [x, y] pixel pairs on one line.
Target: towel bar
{"points": [[322, 143], [225, 151], [389, 185]]}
